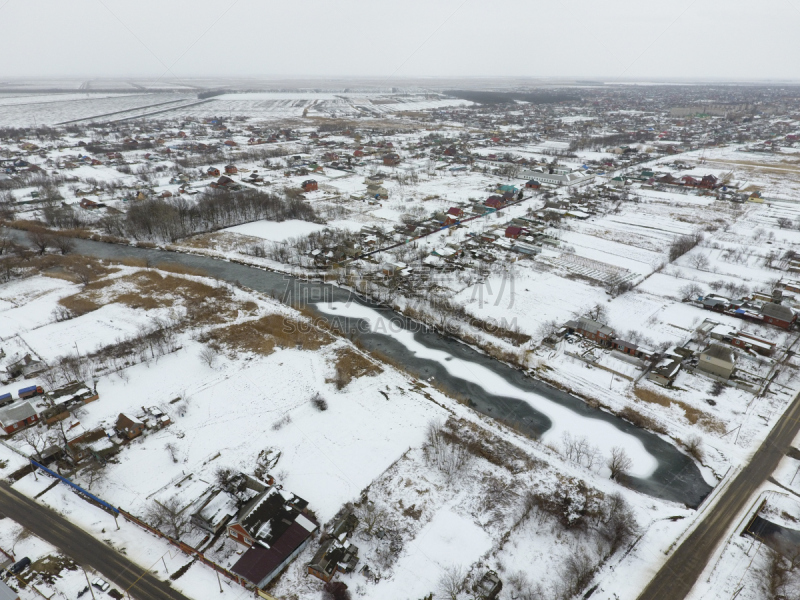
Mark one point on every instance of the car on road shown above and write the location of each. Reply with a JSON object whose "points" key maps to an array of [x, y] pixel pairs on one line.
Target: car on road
{"points": [[101, 584]]}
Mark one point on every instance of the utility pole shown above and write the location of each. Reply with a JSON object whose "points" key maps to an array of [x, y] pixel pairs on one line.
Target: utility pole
{"points": [[91, 589]]}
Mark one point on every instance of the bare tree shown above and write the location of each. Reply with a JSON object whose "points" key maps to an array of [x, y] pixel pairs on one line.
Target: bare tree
{"points": [[64, 244], [40, 239], [618, 525], [681, 245], [318, 402], [691, 291], [576, 573], [169, 518], [335, 590], [699, 261], [84, 275], [694, 446], [38, 438], [173, 451], [208, 356], [523, 588], [781, 576], [547, 329], [370, 516], [451, 583], [598, 312], [619, 463]]}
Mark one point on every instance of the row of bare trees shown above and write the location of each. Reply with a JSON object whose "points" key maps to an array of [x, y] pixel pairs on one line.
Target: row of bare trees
{"points": [[162, 220]]}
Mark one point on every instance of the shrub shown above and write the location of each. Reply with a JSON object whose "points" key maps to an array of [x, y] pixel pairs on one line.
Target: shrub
{"points": [[318, 402]]}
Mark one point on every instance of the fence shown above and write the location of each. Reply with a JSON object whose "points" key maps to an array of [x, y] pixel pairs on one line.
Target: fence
{"points": [[185, 548], [77, 488]]}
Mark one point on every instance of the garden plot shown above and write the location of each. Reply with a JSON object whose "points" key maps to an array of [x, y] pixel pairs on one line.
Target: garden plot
{"points": [[581, 266], [623, 256], [58, 108], [463, 503], [105, 326], [530, 299], [29, 303]]}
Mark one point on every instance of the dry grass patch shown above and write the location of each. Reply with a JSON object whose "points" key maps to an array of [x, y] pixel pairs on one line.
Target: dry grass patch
{"points": [[262, 336], [132, 261], [694, 415], [83, 268], [351, 365], [150, 289], [219, 240]]}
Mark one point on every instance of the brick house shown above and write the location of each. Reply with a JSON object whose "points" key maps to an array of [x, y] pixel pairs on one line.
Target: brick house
{"points": [[494, 202], [275, 529], [513, 232], [309, 185], [17, 415], [212, 172], [778, 315], [591, 330], [127, 427], [231, 170], [392, 159]]}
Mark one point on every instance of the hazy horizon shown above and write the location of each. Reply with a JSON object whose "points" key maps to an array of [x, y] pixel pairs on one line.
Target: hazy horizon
{"points": [[684, 42]]}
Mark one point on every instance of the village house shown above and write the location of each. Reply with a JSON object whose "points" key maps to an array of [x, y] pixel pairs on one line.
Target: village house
{"points": [[17, 415], [741, 339], [665, 371], [778, 315], [6, 593], [212, 172], [309, 185], [275, 526], [630, 349], [454, 214], [231, 170], [127, 427], [391, 160], [717, 360], [222, 182], [495, 202], [336, 554], [214, 510], [591, 330], [333, 557], [514, 231]]}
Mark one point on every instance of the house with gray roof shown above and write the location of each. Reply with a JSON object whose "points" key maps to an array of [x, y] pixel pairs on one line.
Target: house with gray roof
{"points": [[778, 314], [17, 415], [591, 330], [717, 360]]}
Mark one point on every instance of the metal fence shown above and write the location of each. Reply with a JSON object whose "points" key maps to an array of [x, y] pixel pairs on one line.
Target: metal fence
{"points": [[76, 487]]}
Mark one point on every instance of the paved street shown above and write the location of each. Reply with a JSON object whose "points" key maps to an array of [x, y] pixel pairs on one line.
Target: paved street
{"points": [[679, 574], [83, 548]]}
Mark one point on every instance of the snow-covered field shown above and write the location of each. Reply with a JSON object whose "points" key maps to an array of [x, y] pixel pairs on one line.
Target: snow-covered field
{"points": [[227, 413]]}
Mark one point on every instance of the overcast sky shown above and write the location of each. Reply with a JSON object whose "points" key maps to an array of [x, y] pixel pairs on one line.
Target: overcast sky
{"points": [[632, 39]]}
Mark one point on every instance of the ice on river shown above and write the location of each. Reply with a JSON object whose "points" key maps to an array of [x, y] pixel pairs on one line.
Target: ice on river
{"points": [[600, 433]]}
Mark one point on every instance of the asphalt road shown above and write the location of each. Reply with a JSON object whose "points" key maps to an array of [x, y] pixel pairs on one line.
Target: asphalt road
{"points": [[678, 575], [83, 548]]}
